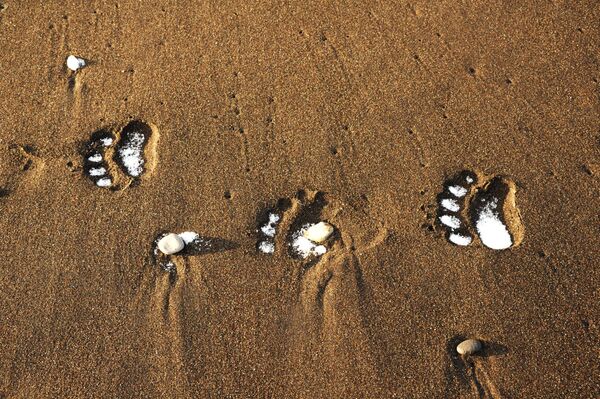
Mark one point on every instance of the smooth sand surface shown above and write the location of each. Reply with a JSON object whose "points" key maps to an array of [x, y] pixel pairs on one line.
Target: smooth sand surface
{"points": [[355, 113]]}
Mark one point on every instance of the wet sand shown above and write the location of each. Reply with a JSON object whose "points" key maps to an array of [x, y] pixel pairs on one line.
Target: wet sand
{"points": [[366, 108]]}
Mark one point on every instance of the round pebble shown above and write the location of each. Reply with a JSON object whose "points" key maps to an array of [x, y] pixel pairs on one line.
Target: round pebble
{"points": [[170, 244], [469, 347], [75, 63], [319, 232]]}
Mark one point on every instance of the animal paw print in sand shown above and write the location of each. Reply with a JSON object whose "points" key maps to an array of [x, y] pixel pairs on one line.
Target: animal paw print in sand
{"points": [[119, 158], [473, 205], [283, 227], [295, 216]]}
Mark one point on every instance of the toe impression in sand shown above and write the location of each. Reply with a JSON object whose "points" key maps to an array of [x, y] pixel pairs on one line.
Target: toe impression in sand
{"points": [[469, 347], [171, 244]]}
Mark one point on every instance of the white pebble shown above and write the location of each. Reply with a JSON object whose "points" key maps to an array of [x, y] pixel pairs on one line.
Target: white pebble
{"points": [[468, 347], [74, 63], [319, 232], [170, 244]]}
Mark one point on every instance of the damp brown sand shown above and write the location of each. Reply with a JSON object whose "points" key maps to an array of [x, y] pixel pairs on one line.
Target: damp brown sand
{"points": [[374, 104]]}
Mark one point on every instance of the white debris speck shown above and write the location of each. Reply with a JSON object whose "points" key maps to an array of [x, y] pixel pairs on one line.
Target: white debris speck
{"points": [[269, 228], [97, 157], [450, 204], [459, 239], [450, 221], [492, 232], [457, 191], [305, 247], [189, 236], [266, 247], [319, 232], [469, 179], [131, 154], [106, 141], [97, 171], [104, 182], [74, 63]]}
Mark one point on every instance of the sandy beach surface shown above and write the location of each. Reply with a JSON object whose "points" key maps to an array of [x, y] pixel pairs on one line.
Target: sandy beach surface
{"points": [[452, 146]]}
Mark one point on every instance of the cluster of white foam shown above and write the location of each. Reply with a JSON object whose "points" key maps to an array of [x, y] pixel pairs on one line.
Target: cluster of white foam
{"points": [[305, 247], [131, 154]]}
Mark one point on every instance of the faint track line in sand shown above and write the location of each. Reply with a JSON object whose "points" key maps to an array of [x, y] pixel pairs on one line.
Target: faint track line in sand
{"points": [[327, 325]]}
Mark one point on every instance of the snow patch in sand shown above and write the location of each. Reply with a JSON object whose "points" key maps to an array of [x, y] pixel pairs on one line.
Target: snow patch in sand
{"points": [[458, 191], [104, 182], [492, 232], [131, 153], [450, 204], [450, 221], [459, 239]]}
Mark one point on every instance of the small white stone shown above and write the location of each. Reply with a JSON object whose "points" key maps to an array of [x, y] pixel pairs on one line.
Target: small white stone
{"points": [[468, 347], [319, 232], [74, 63], [170, 244]]}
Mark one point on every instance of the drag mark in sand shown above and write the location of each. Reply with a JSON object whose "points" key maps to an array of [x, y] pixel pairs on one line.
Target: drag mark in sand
{"points": [[326, 325], [119, 158], [472, 206]]}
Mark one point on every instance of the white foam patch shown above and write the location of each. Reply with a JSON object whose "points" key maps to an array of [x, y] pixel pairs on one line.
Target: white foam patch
{"points": [[97, 171], [457, 191], [492, 232], [106, 141], [459, 239], [104, 182], [450, 204], [305, 247], [450, 221], [189, 236], [97, 157], [266, 247], [131, 154], [269, 229]]}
